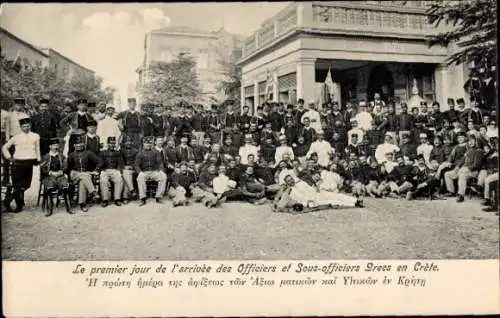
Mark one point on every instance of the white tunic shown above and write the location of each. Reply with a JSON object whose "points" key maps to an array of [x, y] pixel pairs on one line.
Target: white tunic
{"points": [[364, 120], [27, 146], [315, 119], [246, 150], [425, 150], [220, 184], [323, 149], [282, 150], [108, 127], [383, 149]]}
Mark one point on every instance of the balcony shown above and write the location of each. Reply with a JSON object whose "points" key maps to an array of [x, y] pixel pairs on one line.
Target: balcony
{"points": [[397, 19]]}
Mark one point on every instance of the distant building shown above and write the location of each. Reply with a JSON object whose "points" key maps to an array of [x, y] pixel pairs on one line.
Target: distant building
{"points": [[65, 66], [369, 46], [208, 48], [13, 47]]}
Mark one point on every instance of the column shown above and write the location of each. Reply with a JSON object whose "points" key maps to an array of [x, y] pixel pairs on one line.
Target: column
{"points": [[442, 85], [306, 79], [255, 96], [276, 90], [242, 96], [337, 92]]}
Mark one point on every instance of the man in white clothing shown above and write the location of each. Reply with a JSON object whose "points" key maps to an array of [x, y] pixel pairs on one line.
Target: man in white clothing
{"points": [[248, 149], [364, 118], [283, 149], [383, 149], [17, 113], [424, 148], [355, 130], [313, 116], [322, 148], [108, 127]]}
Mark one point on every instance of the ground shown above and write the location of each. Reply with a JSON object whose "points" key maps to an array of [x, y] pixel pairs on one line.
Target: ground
{"points": [[384, 229]]}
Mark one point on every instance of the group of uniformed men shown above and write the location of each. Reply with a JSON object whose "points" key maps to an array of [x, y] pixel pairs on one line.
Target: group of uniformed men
{"points": [[279, 153]]}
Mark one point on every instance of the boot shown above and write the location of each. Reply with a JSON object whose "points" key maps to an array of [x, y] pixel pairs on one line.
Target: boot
{"points": [[83, 207], [118, 203], [104, 203], [143, 202], [50, 205], [19, 201], [67, 203]]}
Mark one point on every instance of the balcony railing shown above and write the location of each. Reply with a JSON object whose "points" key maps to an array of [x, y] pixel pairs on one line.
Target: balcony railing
{"points": [[400, 18]]}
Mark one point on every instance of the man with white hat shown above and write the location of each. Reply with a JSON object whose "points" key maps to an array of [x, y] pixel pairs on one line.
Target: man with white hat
{"points": [[364, 118], [383, 149], [248, 149], [322, 148], [313, 116]]}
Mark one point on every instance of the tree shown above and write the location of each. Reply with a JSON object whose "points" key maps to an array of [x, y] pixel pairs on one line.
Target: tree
{"points": [[171, 83], [473, 30], [230, 85]]}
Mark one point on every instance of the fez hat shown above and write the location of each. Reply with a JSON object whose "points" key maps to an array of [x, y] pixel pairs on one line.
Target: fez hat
{"points": [[24, 121], [44, 101], [111, 139], [91, 122], [54, 141], [131, 100], [20, 101], [82, 101], [460, 101]]}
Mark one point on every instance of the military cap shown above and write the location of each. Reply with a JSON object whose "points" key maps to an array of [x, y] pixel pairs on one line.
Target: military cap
{"points": [[354, 135], [44, 101], [110, 107], [420, 156], [435, 103], [82, 101], [20, 101], [289, 106], [91, 122], [92, 104], [131, 100], [54, 141], [148, 140], [259, 107], [24, 121], [460, 101], [111, 140], [451, 101], [213, 107], [388, 134]]}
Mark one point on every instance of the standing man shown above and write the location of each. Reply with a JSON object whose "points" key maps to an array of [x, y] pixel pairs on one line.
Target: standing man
{"points": [[149, 166], [111, 171], [199, 124], [45, 124], [229, 119], [404, 122], [26, 155], [364, 118], [77, 123], [313, 116], [214, 125], [108, 127], [17, 113], [299, 112], [245, 119], [131, 122]]}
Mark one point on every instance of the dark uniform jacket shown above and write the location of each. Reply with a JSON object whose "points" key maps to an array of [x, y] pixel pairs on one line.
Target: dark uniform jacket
{"points": [[45, 124], [184, 153], [148, 160], [185, 180], [131, 122], [409, 150], [112, 159], [76, 121], [400, 174], [52, 163], [277, 120], [83, 161]]}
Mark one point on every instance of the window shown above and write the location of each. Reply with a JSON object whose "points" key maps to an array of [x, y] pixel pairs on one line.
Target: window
{"points": [[203, 60], [166, 56]]}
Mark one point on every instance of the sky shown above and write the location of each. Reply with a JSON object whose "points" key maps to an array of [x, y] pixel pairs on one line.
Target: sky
{"points": [[109, 38]]}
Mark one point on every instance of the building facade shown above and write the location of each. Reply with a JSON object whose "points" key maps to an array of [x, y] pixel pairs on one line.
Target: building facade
{"points": [[13, 47], [207, 48], [369, 47], [64, 66]]}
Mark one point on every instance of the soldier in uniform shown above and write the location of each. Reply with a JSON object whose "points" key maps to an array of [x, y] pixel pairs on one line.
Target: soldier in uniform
{"points": [[26, 155], [129, 153], [199, 124], [111, 171], [80, 164], [148, 128], [131, 122], [52, 170], [91, 140], [214, 125], [77, 122], [149, 166], [45, 124], [245, 119], [229, 119]]}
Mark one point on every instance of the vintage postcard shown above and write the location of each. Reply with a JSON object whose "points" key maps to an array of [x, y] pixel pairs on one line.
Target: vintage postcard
{"points": [[249, 159]]}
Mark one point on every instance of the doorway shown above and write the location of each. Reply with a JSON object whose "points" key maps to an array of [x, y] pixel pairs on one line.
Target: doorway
{"points": [[381, 81]]}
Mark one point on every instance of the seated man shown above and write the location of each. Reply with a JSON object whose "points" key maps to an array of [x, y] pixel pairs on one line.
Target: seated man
{"points": [[423, 179], [149, 166], [80, 166], [467, 168], [203, 190], [399, 178], [387, 147], [129, 153], [252, 188], [52, 168], [182, 182], [111, 171]]}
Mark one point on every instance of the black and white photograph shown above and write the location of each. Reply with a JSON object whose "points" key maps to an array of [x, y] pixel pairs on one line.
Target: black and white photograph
{"points": [[332, 130]]}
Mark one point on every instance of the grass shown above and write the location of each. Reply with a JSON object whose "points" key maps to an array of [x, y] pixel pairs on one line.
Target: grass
{"points": [[384, 229]]}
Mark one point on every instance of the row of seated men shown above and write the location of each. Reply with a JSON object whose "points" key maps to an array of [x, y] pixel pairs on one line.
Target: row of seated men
{"points": [[428, 168]]}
